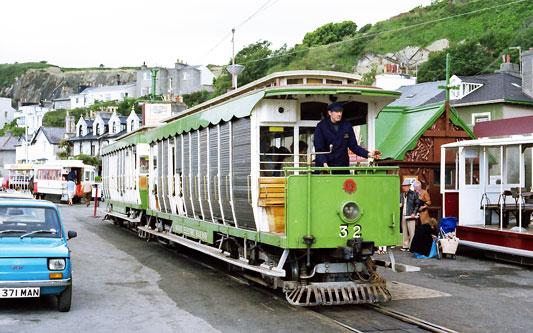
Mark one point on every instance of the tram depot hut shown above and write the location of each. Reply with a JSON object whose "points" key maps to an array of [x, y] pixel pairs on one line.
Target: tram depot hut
{"points": [[411, 137]]}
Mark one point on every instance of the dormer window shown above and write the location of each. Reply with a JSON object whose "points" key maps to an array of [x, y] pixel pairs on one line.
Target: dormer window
{"points": [[465, 88], [97, 130], [114, 127], [132, 127]]}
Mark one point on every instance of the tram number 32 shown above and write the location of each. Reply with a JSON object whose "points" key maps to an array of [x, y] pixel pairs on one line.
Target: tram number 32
{"points": [[345, 232]]}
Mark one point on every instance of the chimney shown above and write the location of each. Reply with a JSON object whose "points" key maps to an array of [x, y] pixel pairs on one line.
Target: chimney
{"points": [[527, 72], [508, 67]]}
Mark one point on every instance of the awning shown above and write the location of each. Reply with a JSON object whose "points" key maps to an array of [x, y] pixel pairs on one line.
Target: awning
{"points": [[237, 108]]}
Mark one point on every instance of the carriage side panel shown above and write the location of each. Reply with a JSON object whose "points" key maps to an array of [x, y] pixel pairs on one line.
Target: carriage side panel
{"points": [[241, 173], [225, 172], [215, 177]]}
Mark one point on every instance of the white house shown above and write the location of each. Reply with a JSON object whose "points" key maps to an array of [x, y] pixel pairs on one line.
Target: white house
{"points": [[94, 134], [43, 146], [7, 112], [31, 116], [106, 93]]}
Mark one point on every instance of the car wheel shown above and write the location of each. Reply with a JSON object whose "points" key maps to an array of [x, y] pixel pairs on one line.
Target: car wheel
{"points": [[65, 299]]}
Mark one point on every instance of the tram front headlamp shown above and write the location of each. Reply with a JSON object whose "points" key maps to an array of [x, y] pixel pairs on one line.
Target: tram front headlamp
{"points": [[350, 211]]}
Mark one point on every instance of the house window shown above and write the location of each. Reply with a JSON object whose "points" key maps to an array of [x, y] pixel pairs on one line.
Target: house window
{"points": [[97, 131], [479, 117], [114, 127], [92, 150], [5, 115], [132, 127], [170, 84], [185, 76]]}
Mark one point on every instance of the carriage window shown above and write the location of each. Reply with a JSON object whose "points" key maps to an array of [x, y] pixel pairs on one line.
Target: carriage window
{"points": [[274, 147], [471, 166], [144, 164], [313, 110], [512, 156], [494, 159], [295, 81]]}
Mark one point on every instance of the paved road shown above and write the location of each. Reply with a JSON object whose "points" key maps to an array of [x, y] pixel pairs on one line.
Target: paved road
{"points": [[124, 284]]}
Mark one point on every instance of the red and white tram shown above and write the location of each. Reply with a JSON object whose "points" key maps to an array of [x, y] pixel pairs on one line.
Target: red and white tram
{"points": [[51, 178], [487, 185]]}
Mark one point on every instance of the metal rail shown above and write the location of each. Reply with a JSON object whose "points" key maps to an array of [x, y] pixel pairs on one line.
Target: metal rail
{"points": [[411, 320]]}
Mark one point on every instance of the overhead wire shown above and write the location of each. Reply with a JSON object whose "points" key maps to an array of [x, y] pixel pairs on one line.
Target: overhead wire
{"points": [[263, 7], [385, 32]]}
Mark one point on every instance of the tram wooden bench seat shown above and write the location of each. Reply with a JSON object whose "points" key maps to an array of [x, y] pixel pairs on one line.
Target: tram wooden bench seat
{"points": [[508, 207], [272, 197]]}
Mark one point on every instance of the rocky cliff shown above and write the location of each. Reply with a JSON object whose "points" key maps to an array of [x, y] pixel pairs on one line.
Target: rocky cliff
{"points": [[49, 83]]}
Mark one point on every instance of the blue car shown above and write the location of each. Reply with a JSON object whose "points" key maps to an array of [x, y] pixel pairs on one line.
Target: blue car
{"points": [[34, 255]]}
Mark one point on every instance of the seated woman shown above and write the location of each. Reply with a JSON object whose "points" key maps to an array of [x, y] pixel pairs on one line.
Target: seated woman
{"points": [[423, 238]]}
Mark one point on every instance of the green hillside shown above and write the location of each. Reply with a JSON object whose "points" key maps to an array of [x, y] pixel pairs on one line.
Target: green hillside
{"points": [[479, 31]]}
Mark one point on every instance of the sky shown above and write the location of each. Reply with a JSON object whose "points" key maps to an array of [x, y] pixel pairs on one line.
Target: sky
{"points": [[119, 33]]}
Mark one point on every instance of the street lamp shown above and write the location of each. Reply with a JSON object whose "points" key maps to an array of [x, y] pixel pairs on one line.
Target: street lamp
{"points": [[235, 70]]}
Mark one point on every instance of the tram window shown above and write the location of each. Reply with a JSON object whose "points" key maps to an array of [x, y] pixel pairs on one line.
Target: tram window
{"points": [[528, 166], [512, 158], [313, 110], [315, 81], [144, 164], [295, 81], [472, 166], [333, 81], [274, 148], [494, 159]]}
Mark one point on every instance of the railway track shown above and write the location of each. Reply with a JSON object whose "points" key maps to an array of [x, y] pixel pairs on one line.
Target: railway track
{"points": [[356, 318], [365, 319]]}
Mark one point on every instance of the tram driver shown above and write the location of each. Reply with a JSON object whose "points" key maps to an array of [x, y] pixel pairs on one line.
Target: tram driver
{"points": [[333, 130]]}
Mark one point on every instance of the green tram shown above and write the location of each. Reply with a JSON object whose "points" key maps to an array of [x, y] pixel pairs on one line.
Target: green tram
{"points": [[233, 178]]}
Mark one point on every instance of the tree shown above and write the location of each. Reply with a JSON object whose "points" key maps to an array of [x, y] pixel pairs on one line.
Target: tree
{"points": [[255, 59], [330, 33], [67, 149], [469, 58], [196, 98], [90, 160]]}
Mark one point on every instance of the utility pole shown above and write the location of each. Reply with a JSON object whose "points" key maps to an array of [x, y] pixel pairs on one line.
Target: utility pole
{"points": [[233, 59], [447, 87]]}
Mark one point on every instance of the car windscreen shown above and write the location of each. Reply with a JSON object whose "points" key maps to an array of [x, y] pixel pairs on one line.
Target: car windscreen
{"points": [[17, 221]]}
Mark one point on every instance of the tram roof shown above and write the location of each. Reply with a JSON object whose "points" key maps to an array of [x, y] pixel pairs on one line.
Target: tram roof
{"points": [[240, 102], [128, 139], [513, 141]]}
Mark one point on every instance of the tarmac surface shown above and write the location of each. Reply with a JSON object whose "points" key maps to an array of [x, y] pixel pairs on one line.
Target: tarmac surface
{"points": [[125, 284]]}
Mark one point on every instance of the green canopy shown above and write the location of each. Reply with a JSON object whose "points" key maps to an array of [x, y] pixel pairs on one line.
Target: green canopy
{"points": [[398, 128], [240, 107]]}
